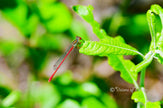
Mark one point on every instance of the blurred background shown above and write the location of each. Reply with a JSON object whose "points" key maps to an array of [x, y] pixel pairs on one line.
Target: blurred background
{"points": [[35, 33]]}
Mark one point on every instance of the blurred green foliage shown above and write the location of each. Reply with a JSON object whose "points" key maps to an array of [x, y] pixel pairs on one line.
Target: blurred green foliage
{"points": [[45, 26]]}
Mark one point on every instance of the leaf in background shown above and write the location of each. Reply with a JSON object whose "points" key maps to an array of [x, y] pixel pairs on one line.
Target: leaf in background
{"points": [[19, 16], [69, 103], [44, 94], [49, 42], [139, 96], [11, 99], [153, 105], [4, 91], [92, 102], [120, 64], [37, 58], [137, 21], [66, 78], [14, 52], [86, 13], [8, 47], [78, 29], [88, 89], [8, 4], [55, 16], [109, 101], [106, 47]]}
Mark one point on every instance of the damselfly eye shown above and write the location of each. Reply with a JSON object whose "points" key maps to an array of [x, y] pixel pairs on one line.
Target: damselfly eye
{"points": [[80, 38]]}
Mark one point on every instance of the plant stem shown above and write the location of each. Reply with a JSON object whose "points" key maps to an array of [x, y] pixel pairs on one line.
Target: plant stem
{"points": [[138, 105], [140, 54], [142, 77]]}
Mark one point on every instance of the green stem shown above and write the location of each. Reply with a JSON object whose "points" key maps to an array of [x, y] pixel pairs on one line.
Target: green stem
{"points": [[142, 77], [138, 105], [140, 54], [136, 85]]}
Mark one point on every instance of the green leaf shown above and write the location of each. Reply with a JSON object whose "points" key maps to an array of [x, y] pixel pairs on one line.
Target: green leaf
{"points": [[151, 22], [19, 17], [153, 105], [109, 101], [69, 103], [140, 96], [159, 48], [55, 16], [66, 78], [48, 42], [37, 58], [120, 64], [86, 13], [45, 94], [159, 11], [156, 31], [88, 89], [11, 99], [92, 102], [106, 47], [4, 90], [8, 47]]}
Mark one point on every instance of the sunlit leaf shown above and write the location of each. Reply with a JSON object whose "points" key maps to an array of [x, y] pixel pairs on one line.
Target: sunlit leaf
{"points": [[139, 96], [119, 64], [106, 47], [86, 13]]}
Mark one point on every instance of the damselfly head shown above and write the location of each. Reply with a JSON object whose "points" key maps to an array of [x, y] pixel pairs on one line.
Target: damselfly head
{"points": [[77, 37]]}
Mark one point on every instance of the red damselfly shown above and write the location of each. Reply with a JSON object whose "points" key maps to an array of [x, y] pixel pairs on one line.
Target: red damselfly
{"points": [[64, 56]]}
